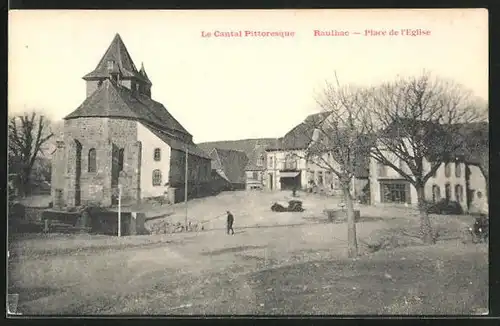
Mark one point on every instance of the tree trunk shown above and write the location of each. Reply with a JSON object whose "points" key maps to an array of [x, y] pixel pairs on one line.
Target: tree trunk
{"points": [[485, 171], [425, 222], [352, 243]]}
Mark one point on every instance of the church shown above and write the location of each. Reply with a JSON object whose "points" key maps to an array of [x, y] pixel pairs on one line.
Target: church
{"points": [[120, 136]]}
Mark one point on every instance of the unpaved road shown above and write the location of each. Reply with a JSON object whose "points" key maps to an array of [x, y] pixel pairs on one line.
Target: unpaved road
{"points": [[276, 270]]}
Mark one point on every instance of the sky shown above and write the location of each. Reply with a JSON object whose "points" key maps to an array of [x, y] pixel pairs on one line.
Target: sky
{"points": [[225, 88]]}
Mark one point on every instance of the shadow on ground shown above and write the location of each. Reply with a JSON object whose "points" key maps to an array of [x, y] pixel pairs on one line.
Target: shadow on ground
{"points": [[230, 250]]}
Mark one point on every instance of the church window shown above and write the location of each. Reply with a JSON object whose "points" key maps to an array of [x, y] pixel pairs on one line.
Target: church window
{"points": [[156, 178], [92, 160], [120, 159], [157, 154]]}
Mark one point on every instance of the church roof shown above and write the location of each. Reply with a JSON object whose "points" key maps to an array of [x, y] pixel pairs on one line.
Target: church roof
{"points": [[113, 100], [117, 52], [178, 144], [143, 73]]}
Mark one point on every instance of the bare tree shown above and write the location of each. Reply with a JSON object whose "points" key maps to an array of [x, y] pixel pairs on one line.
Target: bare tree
{"points": [[340, 143], [418, 121], [27, 134], [477, 147]]}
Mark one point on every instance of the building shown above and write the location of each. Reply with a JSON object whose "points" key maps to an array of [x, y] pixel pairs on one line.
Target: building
{"points": [[119, 135], [458, 179], [288, 168], [230, 166], [255, 150]]}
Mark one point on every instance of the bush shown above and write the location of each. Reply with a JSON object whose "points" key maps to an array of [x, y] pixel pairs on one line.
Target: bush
{"points": [[445, 207]]}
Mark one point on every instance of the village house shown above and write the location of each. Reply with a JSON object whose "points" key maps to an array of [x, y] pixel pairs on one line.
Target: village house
{"points": [[230, 166], [288, 168], [458, 179], [255, 150], [120, 136]]}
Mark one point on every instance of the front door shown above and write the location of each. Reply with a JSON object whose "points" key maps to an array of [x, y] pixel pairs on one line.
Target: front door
{"points": [[271, 181]]}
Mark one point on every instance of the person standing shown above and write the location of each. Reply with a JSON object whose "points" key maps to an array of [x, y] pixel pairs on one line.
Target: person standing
{"points": [[230, 220]]}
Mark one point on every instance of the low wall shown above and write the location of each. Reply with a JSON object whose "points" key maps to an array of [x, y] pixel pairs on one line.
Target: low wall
{"points": [[176, 194]]}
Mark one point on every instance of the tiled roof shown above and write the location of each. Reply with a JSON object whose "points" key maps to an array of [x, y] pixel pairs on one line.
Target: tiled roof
{"points": [[117, 52], [230, 164], [253, 148], [113, 100]]}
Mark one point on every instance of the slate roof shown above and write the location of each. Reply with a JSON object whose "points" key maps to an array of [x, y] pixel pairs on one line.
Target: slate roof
{"points": [[300, 136], [178, 144], [113, 100], [144, 74], [230, 164], [253, 148], [117, 52]]}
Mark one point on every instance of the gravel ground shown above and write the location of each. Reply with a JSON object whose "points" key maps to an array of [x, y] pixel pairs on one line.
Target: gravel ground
{"points": [[275, 268]]}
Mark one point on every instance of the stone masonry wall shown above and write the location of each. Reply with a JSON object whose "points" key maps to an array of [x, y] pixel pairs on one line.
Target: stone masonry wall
{"points": [[123, 134], [58, 179], [95, 186]]}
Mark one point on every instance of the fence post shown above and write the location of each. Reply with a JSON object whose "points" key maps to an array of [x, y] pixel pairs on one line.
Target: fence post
{"points": [[119, 210]]}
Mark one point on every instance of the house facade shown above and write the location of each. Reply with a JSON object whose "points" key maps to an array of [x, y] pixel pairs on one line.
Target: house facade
{"points": [[120, 136], [287, 167], [255, 150], [457, 180]]}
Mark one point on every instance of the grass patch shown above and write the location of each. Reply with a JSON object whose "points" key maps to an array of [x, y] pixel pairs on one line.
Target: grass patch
{"points": [[398, 283]]}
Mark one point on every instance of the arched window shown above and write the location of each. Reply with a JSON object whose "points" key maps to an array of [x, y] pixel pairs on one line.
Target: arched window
{"points": [[459, 193], [156, 178], [436, 193], [92, 160], [157, 154], [120, 159], [447, 170]]}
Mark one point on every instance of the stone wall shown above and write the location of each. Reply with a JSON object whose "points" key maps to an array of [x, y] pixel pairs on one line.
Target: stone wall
{"points": [[100, 134]]}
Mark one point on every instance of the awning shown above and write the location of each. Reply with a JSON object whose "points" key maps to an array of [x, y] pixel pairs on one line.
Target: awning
{"points": [[289, 174]]}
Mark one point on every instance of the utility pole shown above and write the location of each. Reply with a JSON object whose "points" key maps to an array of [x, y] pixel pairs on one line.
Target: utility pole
{"points": [[119, 210], [186, 188]]}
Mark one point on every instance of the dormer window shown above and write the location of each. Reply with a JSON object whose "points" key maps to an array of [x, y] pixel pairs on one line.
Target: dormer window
{"points": [[111, 65]]}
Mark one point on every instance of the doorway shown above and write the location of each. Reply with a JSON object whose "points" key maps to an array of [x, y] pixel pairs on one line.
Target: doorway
{"points": [[271, 181]]}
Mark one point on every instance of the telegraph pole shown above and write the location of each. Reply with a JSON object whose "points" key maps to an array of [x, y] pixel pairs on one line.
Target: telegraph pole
{"points": [[119, 210], [186, 187]]}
